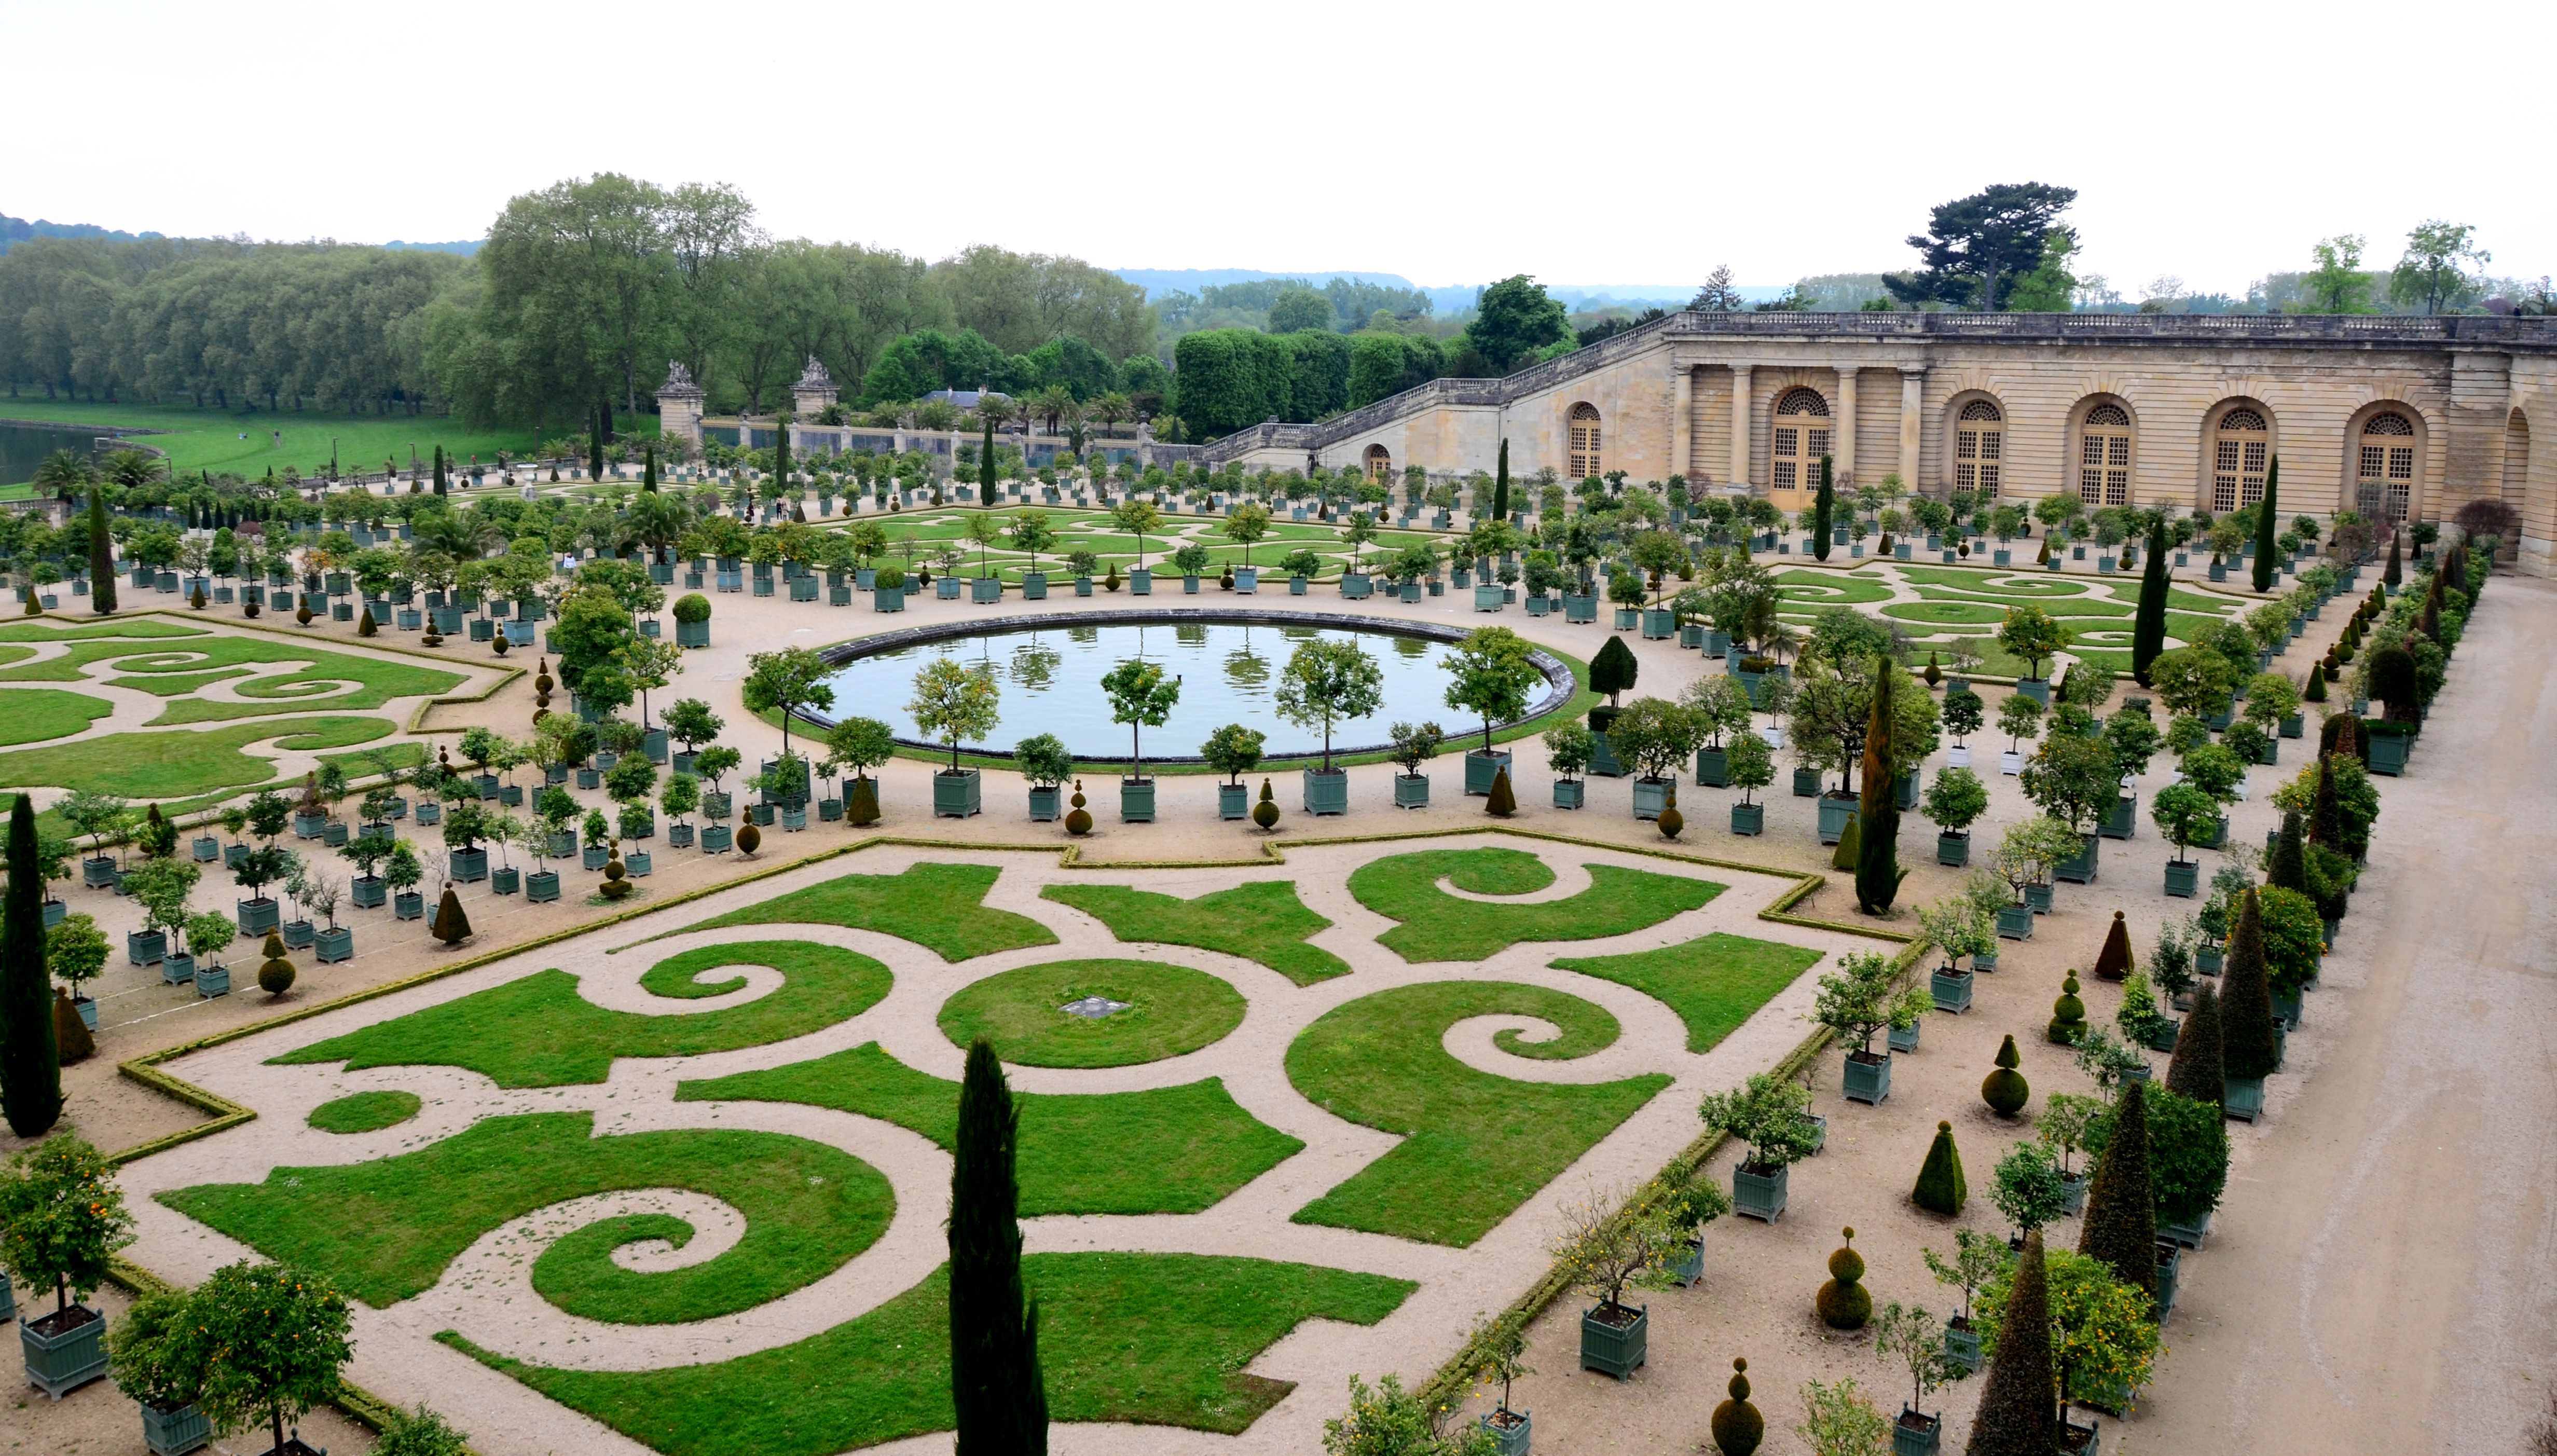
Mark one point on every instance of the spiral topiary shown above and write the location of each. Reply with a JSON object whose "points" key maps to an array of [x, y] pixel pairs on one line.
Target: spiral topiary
{"points": [[1845, 1304], [1940, 1186], [1738, 1428], [1671, 820], [1078, 820], [2005, 1090], [275, 977], [1265, 812], [2067, 1014]]}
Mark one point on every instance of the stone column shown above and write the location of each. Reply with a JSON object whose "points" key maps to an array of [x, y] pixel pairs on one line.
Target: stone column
{"points": [[1845, 444], [1912, 378], [1682, 423], [1740, 425]]}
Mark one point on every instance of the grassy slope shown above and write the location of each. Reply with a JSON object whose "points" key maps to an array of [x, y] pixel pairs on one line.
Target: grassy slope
{"points": [[1172, 1009], [1153, 1339], [937, 906], [537, 1032], [385, 1230], [208, 439], [1173, 1149], [1714, 982], [1263, 921], [1475, 1146], [1437, 926], [169, 765], [33, 714]]}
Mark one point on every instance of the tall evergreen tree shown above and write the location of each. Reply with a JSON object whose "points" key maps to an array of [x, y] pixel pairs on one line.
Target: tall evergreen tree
{"points": [[30, 1074], [2286, 864], [1877, 861], [2121, 1204], [781, 459], [986, 465], [2267, 523], [648, 474], [2392, 574], [994, 1380], [442, 486], [2148, 625], [2195, 1071], [1823, 505], [1501, 484], [2019, 1413], [2246, 998], [2326, 813], [595, 441], [101, 553]]}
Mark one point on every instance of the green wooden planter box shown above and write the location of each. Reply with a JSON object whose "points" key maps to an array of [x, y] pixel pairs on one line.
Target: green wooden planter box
{"points": [[1651, 796], [1233, 801], [1615, 1350], [1602, 758], [506, 881], [2388, 754], [213, 981], [1950, 989], [1327, 793], [1047, 804], [1758, 1196], [1511, 1439], [958, 795], [2124, 821], [718, 839], [1962, 1344], [1411, 791], [1569, 793], [2183, 879], [1915, 1433], [1481, 768], [60, 1363], [1866, 1081], [1837, 813], [1807, 784], [1953, 850], [1749, 820], [173, 1433], [1135, 801], [2080, 868], [2015, 922], [1714, 768], [2246, 1098]]}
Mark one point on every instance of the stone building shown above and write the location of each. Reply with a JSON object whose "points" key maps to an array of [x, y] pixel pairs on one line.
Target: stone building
{"points": [[2405, 416]]}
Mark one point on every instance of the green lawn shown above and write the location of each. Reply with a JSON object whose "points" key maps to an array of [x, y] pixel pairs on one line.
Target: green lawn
{"points": [[33, 714], [178, 673], [174, 764], [1715, 982], [384, 1230], [1148, 1339], [938, 907], [1475, 1146], [1171, 1149], [1997, 581], [1437, 926], [1829, 586], [43, 631], [537, 1032], [365, 1112], [1264, 921], [210, 439], [1171, 1009]]}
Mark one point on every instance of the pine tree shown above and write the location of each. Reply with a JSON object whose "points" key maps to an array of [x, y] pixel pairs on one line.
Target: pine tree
{"points": [[2195, 1071], [1823, 505], [2266, 523], [2246, 998], [2148, 624], [1877, 861], [2121, 1227], [994, 1380], [2114, 960], [1940, 1186], [2018, 1415], [101, 554], [1501, 485], [31, 1075], [2286, 864]]}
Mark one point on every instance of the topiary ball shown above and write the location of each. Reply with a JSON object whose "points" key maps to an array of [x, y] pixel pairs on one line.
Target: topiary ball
{"points": [[1078, 820], [2067, 1014], [1265, 812], [1671, 820], [2005, 1090], [1844, 1302], [749, 838], [1738, 1428]]}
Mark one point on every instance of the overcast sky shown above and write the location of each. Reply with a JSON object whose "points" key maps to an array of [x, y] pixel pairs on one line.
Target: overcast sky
{"points": [[1606, 143]]}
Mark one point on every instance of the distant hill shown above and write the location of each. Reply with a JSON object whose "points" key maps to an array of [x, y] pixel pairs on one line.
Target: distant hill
{"points": [[14, 230], [1443, 299], [464, 248]]}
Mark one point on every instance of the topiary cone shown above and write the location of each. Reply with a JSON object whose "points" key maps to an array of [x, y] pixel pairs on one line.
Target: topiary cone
{"points": [[1844, 1302], [2196, 1070], [1078, 820], [2115, 961], [1850, 845], [71, 1039], [864, 806], [1265, 812], [197, 601], [1504, 800], [748, 840], [364, 626], [275, 976], [451, 923], [2005, 1090], [2067, 1014], [1738, 1428], [1940, 1186]]}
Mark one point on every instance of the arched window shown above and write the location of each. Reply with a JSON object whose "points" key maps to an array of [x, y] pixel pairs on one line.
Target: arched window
{"points": [[1979, 447], [2385, 480], [1801, 437], [2104, 456], [1380, 465], [2240, 447], [1587, 459]]}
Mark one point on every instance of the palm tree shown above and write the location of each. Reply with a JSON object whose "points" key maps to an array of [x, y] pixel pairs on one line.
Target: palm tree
{"points": [[1050, 403], [997, 410], [63, 474], [132, 469], [462, 537], [1111, 408]]}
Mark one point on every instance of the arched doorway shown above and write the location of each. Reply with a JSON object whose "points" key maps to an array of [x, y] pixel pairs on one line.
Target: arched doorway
{"points": [[1586, 458], [2385, 467], [2241, 443], [1380, 465], [1979, 447], [2105, 455], [1802, 436]]}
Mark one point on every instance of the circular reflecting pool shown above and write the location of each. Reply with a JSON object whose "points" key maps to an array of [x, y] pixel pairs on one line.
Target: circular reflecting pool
{"points": [[1050, 677]]}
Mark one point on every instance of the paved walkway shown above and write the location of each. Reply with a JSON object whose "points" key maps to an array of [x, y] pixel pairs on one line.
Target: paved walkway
{"points": [[2386, 1262]]}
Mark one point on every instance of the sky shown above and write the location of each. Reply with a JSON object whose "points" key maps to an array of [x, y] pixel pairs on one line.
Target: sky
{"points": [[1587, 144]]}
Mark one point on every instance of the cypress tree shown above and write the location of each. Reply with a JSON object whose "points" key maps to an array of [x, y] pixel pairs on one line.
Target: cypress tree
{"points": [[2246, 998], [440, 487], [1941, 1188], [101, 554], [994, 1380], [1877, 861], [2393, 573], [2326, 813], [1821, 506], [781, 458], [986, 466], [595, 441], [2265, 523], [648, 474], [2018, 1416], [2148, 624], [2120, 1228], [2195, 1071], [2286, 865], [1501, 484], [30, 1074]]}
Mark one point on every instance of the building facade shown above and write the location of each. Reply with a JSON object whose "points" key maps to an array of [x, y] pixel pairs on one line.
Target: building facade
{"points": [[2410, 417]]}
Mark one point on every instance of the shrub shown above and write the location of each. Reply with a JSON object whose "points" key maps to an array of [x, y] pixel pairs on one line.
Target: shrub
{"points": [[1957, 800], [1671, 820], [2196, 1071], [2121, 1227], [1503, 800], [2188, 1152], [2114, 960], [2246, 996], [1078, 819], [749, 838], [62, 1217], [2068, 1014], [1844, 1302], [1265, 812], [2005, 1090], [2028, 1187], [1738, 1428], [692, 608], [1940, 1186], [275, 976]]}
